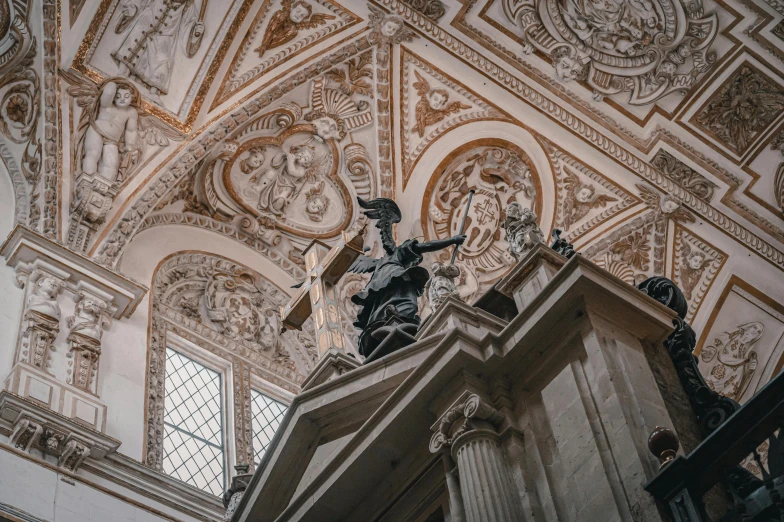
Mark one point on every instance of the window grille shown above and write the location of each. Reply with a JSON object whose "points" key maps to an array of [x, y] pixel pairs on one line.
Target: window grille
{"points": [[193, 448], [267, 414]]}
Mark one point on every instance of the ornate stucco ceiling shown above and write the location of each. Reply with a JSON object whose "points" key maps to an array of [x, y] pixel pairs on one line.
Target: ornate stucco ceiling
{"points": [[650, 131]]}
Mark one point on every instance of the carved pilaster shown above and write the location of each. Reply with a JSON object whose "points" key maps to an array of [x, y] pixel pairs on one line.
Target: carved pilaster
{"points": [[92, 201], [41, 315], [469, 429], [232, 496], [84, 338]]}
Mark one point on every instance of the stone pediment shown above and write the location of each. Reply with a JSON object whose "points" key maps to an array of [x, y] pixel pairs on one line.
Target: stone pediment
{"points": [[401, 396]]}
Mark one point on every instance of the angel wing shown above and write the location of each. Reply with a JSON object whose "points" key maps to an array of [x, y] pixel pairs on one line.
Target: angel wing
{"points": [[455, 107], [386, 213], [421, 85], [84, 90], [315, 21], [649, 196], [363, 264], [155, 132], [601, 201]]}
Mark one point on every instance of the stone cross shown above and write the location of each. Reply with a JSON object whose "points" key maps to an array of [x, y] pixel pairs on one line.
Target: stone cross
{"points": [[318, 296]]}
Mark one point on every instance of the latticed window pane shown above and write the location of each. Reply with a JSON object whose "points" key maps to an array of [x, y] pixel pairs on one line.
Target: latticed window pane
{"points": [[193, 424], [267, 414]]}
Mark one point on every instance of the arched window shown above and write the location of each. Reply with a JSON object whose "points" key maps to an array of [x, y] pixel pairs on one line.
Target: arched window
{"points": [[220, 375]]}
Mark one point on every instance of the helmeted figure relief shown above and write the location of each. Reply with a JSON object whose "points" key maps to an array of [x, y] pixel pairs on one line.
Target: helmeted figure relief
{"points": [[735, 359], [580, 200], [112, 130], [157, 28], [433, 105], [278, 185], [522, 230], [43, 298], [397, 280], [293, 17]]}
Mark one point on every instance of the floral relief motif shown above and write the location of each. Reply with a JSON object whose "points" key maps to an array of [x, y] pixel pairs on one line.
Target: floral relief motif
{"points": [[286, 24], [743, 107]]}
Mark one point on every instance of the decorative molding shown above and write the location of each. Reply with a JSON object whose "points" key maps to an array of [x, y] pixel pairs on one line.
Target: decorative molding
{"points": [[682, 174], [37, 427], [52, 151], [429, 122], [194, 296]]}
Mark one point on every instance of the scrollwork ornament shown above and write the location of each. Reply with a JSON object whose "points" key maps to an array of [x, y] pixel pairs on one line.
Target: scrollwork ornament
{"points": [[648, 49]]}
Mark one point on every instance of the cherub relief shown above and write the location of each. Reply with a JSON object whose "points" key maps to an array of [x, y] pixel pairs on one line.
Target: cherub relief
{"points": [[735, 359], [282, 182], [113, 129], [316, 203], [580, 200], [286, 23], [693, 263], [432, 106]]}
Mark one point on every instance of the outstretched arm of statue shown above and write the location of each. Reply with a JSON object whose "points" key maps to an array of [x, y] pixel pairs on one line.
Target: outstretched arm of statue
{"points": [[438, 244], [107, 96]]}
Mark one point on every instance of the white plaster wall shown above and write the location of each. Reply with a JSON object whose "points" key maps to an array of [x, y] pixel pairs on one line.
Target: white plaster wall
{"points": [[43, 493], [12, 297]]}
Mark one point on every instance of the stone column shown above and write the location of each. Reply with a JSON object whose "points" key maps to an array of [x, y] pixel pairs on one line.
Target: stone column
{"points": [[485, 482]]}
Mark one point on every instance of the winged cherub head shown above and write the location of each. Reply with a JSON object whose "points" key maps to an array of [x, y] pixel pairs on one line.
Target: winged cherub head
{"points": [[437, 98], [300, 12], [386, 213]]}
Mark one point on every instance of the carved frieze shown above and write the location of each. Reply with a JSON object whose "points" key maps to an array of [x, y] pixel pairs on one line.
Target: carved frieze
{"points": [[683, 175]]}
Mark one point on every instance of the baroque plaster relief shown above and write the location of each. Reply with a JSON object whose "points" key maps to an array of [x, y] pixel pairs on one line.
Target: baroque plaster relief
{"points": [[649, 49], [280, 31], [230, 311], [636, 250], [741, 109], [152, 42], [501, 174], [694, 267], [742, 345], [433, 103], [586, 199]]}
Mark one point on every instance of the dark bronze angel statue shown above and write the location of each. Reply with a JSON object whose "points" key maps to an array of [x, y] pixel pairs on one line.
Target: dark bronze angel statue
{"points": [[397, 279]]}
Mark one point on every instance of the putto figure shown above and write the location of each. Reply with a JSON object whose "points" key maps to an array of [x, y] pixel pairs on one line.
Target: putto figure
{"points": [[397, 279], [522, 230], [285, 24], [432, 106], [113, 123]]}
